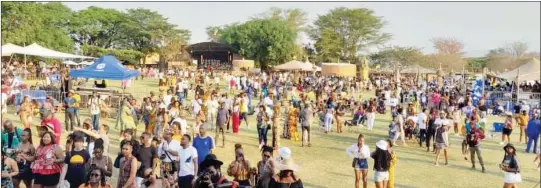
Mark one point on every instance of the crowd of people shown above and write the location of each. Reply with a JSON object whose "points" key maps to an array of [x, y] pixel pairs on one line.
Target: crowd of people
{"points": [[174, 153]]}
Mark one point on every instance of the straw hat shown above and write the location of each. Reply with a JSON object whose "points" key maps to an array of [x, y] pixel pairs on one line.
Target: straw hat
{"points": [[284, 161], [382, 144]]}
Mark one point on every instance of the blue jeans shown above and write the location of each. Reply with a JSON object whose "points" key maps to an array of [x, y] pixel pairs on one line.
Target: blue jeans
{"points": [[181, 98], [534, 139], [262, 134], [95, 121]]}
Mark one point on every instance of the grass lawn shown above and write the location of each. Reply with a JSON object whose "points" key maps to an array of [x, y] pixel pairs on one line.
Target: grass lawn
{"points": [[325, 164]]}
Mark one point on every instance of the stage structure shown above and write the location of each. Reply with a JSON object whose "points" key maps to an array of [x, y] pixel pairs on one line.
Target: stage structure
{"points": [[212, 55]]}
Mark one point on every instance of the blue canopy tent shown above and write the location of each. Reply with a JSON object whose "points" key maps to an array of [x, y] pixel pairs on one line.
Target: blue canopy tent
{"points": [[106, 67]]}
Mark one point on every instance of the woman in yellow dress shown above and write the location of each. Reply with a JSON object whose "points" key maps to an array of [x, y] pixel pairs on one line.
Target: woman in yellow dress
{"points": [[293, 116], [390, 184], [126, 117], [25, 112]]}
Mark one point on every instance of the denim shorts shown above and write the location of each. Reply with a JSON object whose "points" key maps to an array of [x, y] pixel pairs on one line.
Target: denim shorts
{"points": [[361, 164]]}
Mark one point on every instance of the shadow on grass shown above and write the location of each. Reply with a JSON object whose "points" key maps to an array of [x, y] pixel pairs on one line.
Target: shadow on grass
{"points": [[403, 186], [312, 185]]}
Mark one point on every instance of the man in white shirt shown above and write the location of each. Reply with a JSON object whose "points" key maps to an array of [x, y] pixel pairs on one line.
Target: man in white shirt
{"points": [[187, 162], [95, 103], [166, 150], [196, 105], [167, 99], [422, 119]]}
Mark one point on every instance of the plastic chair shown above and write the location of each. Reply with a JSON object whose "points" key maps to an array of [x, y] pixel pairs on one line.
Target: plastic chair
{"points": [[497, 128]]}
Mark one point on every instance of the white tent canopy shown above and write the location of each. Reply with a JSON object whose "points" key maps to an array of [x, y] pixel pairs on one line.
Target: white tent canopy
{"points": [[87, 62], [37, 50], [526, 72], [9, 49]]}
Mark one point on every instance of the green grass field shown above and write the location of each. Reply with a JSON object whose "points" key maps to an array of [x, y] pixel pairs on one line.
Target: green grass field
{"points": [[325, 164]]}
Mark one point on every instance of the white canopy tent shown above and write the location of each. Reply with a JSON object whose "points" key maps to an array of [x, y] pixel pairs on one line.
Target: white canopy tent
{"points": [[37, 50], [526, 72], [9, 49], [87, 62]]}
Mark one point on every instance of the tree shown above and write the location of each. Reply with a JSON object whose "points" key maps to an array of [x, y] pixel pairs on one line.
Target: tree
{"points": [[517, 49], [477, 64], [151, 32], [24, 23], [397, 58], [449, 54], [214, 32], [131, 56], [106, 28], [343, 33], [267, 41], [295, 18]]}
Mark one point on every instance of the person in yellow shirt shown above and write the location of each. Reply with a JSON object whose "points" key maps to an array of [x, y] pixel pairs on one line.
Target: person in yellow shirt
{"points": [[522, 121], [77, 98]]}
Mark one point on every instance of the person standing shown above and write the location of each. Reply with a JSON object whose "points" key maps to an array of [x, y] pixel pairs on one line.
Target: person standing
{"points": [[235, 118], [75, 162], [147, 155], [244, 108], [307, 116], [533, 130], [203, 143], [265, 168], [522, 121], [24, 159], [212, 106], [188, 162], [69, 103], [94, 104], [382, 162], [275, 127], [128, 166], [422, 121], [390, 184], [262, 118], [510, 166], [359, 152], [240, 167], [49, 160], [222, 118], [77, 106], [441, 137], [507, 128], [9, 169], [371, 115], [11, 135], [473, 140], [329, 114], [167, 151], [53, 123]]}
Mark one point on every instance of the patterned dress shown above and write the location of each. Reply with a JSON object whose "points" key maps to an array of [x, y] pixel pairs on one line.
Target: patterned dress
{"points": [[124, 173]]}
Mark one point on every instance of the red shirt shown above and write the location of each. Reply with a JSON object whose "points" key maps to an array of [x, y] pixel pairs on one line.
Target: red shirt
{"points": [[57, 126]]}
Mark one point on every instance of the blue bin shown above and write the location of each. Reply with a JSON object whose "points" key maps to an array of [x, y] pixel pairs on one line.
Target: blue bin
{"points": [[498, 127]]}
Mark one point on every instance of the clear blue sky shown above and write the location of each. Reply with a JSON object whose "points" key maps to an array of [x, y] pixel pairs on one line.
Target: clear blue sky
{"points": [[481, 26]]}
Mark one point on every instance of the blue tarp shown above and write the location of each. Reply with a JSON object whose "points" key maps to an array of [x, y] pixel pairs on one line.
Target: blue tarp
{"points": [[106, 67], [38, 95]]}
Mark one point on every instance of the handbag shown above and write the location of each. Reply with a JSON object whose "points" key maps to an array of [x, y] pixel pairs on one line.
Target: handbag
{"points": [[175, 164], [116, 164], [353, 164]]}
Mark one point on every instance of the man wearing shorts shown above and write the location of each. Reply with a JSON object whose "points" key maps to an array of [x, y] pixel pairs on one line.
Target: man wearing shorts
{"points": [[222, 117]]}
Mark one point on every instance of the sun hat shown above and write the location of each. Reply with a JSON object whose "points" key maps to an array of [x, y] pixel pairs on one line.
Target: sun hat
{"points": [[508, 114], [509, 145], [382, 144], [284, 161], [211, 160]]}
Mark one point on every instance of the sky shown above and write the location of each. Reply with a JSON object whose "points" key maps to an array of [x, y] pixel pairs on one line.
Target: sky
{"points": [[481, 26]]}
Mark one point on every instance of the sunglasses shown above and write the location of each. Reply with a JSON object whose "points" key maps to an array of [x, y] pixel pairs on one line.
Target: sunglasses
{"points": [[95, 175]]}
